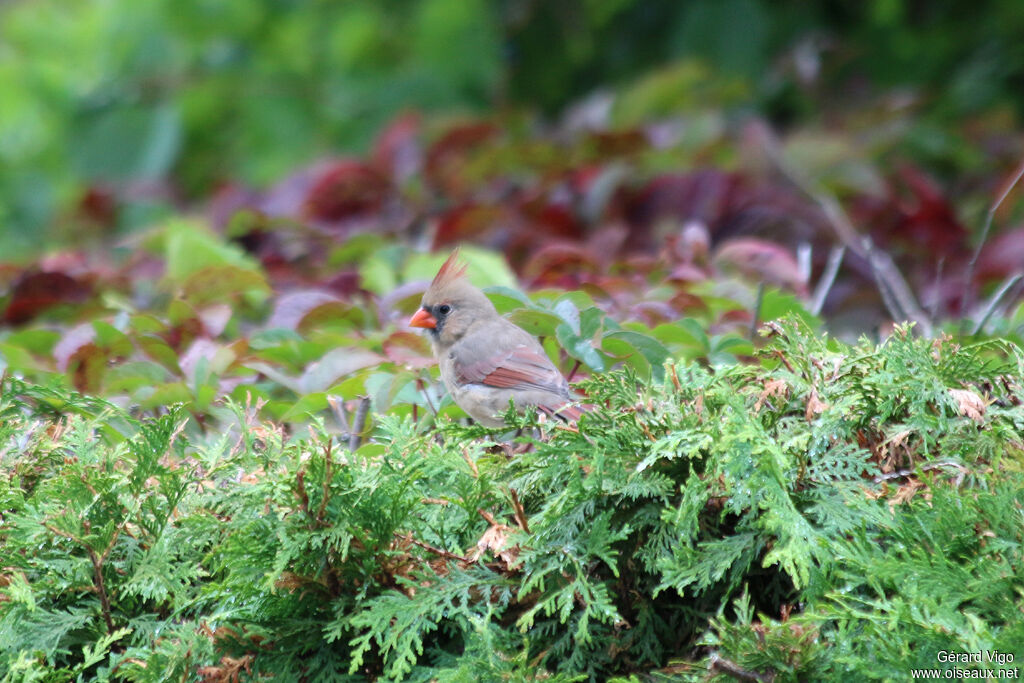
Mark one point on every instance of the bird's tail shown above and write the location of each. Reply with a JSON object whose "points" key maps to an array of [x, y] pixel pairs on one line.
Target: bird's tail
{"points": [[570, 412]]}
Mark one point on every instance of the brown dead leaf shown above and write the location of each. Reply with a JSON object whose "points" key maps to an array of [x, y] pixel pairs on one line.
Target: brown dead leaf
{"points": [[815, 406], [969, 404], [905, 492], [228, 671], [495, 539], [772, 388], [874, 494], [891, 448]]}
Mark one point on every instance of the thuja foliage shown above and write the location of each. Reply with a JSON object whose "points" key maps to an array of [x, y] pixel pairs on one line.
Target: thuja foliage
{"points": [[833, 511]]}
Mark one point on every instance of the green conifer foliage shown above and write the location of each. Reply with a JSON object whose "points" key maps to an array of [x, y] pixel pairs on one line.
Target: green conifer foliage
{"points": [[835, 512]]}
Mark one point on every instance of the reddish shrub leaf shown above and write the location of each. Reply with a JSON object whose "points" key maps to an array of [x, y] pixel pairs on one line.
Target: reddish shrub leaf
{"points": [[397, 152], [447, 156], [469, 221], [76, 338], [335, 364], [293, 307], [409, 349], [761, 260], [34, 292], [98, 205], [1002, 256], [346, 188]]}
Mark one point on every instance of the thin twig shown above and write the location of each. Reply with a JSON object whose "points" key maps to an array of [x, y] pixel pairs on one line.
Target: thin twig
{"points": [[300, 490], [518, 511], [752, 332], [422, 387], [338, 408], [469, 461], [828, 278], [996, 299], [888, 277], [572, 373], [804, 252], [969, 288], [899, 474], [488, 517], [101, 587], [325, 493], [359, 423], [97, 561], [441, 552], [719, 665]]}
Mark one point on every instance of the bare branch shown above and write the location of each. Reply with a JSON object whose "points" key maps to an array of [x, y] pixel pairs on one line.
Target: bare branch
{"points": [[889, 278], [440, 552], [719, 665], [899, 474], [338, 408], [422, 387], [758, 302], [969, 288], [520, 513], [996, 299], [326, 490], [359, 423], [828, 278], [894, 289]]}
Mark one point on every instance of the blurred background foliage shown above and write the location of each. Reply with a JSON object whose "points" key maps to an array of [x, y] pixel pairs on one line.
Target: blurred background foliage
{"points": [[167, 101]]}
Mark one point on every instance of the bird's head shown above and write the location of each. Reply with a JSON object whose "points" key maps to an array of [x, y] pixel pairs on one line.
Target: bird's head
{"points": [[451, 305]]}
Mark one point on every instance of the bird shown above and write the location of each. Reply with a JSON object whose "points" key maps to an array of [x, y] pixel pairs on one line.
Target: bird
{"points": [[485, 359]]}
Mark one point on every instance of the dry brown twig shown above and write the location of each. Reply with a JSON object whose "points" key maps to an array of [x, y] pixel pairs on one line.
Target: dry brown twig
{"points": [[899, 474], [717, 664]]}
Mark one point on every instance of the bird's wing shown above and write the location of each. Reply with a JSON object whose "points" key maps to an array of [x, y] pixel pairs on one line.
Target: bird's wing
{"points": [[518, 368], [514, 361]]}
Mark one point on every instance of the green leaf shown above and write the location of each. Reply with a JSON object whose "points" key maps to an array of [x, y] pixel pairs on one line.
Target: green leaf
{"points": [[190, 247], [650, 348], [306, 407], [569, 314], [581, 349], [696, 331], [537, 323], [334, 365], [735, 345], [776, 304]]}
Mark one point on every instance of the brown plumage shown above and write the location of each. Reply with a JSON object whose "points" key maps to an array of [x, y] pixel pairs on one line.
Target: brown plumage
{"points": [[485, 360]]}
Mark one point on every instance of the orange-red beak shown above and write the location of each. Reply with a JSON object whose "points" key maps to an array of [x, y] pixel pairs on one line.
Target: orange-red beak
{"points": [[422, 318]]}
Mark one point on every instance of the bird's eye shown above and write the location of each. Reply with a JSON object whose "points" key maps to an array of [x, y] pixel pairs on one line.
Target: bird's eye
{"points": [[444, 309]]}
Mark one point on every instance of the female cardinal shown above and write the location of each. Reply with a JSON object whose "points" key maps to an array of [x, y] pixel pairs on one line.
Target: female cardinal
{"points": [[485, 359]]}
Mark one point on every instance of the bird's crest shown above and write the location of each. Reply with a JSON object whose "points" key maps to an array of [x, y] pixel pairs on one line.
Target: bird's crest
{"points": [[451, 270]]}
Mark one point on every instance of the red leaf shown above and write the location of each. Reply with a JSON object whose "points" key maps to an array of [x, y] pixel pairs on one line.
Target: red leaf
{"points": [[71, 343], [761, 260], [1002, 255], [98, 205], [293, 307], [409, 349], [34, 292], [469, 221], [397, 152], [447, 156], [344, 189]]}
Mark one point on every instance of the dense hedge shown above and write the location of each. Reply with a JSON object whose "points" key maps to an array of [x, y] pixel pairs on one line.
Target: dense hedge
{"points": [[834, 511]]}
